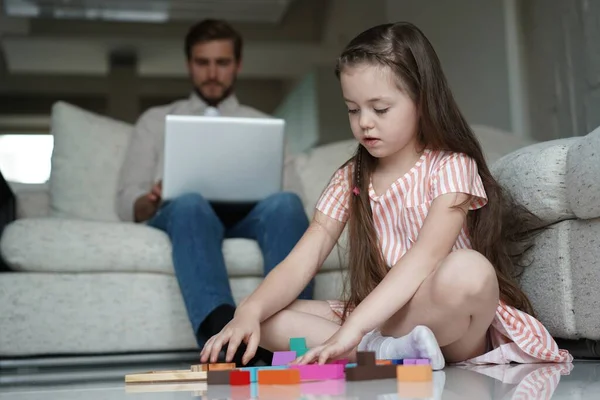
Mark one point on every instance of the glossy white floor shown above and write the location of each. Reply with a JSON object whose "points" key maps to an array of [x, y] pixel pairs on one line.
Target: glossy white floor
{"points": [[580, 380]]}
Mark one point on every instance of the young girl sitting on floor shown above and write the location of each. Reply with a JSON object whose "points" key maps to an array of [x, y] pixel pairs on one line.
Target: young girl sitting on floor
{"points": [[432, 236]]}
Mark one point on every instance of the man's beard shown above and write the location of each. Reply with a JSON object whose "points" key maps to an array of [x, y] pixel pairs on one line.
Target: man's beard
{"points": [[215, 101]]}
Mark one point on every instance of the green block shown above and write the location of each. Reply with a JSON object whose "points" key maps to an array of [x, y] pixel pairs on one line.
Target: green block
{"points": [[300, 352], [297, 344]]}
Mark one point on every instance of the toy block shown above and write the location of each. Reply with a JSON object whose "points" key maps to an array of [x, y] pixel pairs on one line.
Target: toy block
{"points": [[365, 358], [369, 373], [239, 377], [351, 365], [383, 362], [254, 371], [414, 373], [279, 377], [299, 346], [219, 377], [423, 361], [283, 357], [316, 372], [343, 361], [398, 362], [213, 367], [410, 361], [166, 376], [297, 343]]}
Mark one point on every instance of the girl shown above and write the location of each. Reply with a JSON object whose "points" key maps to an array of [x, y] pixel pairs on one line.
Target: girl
{"points": [[433, 239]]}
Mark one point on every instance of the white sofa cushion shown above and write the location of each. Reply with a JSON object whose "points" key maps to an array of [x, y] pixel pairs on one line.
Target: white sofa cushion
{"points": [[536, 177], [66, 245], [87, 156], [583, 176]]}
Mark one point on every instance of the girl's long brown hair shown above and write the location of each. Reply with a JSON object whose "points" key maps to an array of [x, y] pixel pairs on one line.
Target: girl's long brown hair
{"points": [[501, 231]]}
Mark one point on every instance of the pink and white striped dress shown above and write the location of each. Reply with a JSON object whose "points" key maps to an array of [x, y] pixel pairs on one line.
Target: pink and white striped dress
{"points": [[399, 214]]}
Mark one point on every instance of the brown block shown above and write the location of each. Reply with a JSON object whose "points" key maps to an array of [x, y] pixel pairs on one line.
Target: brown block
{"points": [[370, 373], [218, 377], [414, 373], [365, 358]]}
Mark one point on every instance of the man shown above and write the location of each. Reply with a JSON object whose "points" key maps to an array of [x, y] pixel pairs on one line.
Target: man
{"points": [[195, 227]]}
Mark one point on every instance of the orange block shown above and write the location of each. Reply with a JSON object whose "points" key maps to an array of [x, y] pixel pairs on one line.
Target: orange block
{"points": [[213, 367], [383, 362], [414, 373], [279, 377]]}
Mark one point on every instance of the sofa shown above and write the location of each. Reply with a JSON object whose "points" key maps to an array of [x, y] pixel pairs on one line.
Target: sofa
{"points": [[84, 283]]}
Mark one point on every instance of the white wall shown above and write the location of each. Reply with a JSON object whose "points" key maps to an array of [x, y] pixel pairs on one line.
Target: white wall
{"points": [[469, 38]]}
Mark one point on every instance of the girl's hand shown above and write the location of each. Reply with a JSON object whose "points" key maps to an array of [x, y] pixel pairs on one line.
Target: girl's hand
{"points": [[244, 327], [340, 345]]}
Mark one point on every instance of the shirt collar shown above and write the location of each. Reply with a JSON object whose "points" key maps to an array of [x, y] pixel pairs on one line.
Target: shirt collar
{"points": [[228, 106]]}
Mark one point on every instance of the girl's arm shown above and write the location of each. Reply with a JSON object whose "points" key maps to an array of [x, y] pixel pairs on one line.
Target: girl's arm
{"points": [[285, 282], [435, 241]]}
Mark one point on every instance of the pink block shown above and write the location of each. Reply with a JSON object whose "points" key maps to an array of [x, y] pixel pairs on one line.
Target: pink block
{"points": [[283, 358], [316, 372], [342, 361], [410, 361], [423, 361]]}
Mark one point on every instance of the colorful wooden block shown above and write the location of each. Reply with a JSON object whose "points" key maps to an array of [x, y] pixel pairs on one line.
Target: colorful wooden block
{"points": [[414, 373], [369, 373], [410, 361], [397, 361], [218, 377], [254, 371], [316, 372], [343, 361], [213, 367], [279, 377], [423, 361], [166, 376], [365, 358], [383, 362], [239, 377], [283, 357], [299, 346]]}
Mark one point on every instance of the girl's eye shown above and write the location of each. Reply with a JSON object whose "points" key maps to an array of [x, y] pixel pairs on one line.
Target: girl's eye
{"points": [[352, 111], [382, 111]]}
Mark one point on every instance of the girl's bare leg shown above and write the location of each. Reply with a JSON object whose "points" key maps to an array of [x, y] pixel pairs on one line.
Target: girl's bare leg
{"points": [[457, 302], [311, 319]]}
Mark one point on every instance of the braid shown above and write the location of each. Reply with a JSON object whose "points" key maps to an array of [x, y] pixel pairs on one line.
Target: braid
{"points": [[357, 174]]}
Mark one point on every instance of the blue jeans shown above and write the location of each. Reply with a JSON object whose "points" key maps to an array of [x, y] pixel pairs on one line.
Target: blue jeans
{"points": [[277, 223]]}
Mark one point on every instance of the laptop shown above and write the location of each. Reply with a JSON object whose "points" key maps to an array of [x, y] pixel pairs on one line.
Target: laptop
{"points": [[225, 159]]}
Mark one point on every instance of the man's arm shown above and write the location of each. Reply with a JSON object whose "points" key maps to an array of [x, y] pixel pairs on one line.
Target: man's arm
{"points": [[138, 169]]}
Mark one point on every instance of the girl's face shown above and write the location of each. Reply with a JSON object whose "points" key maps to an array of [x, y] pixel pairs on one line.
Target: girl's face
{"points": [[382, 117]]}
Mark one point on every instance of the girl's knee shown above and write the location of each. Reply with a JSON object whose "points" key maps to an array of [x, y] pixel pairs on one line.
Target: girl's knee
{"points": [[467, 277]]}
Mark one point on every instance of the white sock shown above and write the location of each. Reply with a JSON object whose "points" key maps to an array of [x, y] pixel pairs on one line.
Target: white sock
{"points": [[420, 343]]}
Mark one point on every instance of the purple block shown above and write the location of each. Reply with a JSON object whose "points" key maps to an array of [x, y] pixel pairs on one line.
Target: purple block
{"points": [[316, 372], [283, 358], [423, 361], [410, 361]]}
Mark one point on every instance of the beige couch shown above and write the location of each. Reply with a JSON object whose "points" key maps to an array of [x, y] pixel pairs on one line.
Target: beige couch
{"points": [[87, 283]]}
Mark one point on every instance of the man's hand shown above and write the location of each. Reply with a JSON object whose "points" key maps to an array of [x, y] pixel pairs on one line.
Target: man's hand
{"points": [[146, 205]]}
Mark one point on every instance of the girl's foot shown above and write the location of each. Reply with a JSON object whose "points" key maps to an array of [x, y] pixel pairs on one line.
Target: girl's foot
{"points": [[420, 343]]}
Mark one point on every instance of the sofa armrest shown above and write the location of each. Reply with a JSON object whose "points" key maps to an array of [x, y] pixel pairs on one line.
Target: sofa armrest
{"points": [[33, 200]]}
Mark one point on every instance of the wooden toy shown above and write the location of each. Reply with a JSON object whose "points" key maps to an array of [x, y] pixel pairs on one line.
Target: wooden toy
{"points": [[185, 375], [283, 357], [371, 372], [219, 377], [316, 372], [414, 373], [254, 371], [383, 362], [213, 367], [239, 377], [299, 346], [365, 358], [278, 377]]}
